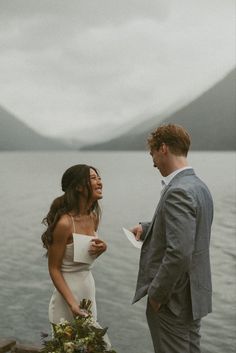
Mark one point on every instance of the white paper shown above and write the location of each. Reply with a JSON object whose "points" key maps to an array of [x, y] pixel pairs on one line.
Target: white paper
{"points": [[131, 238], [82, 244]]}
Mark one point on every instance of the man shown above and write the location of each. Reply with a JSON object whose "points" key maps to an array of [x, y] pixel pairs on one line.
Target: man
{"points": [[174, 269]]}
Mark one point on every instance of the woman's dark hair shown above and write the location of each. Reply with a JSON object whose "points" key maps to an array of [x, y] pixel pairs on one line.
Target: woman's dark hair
{"points": [[74, 178]]}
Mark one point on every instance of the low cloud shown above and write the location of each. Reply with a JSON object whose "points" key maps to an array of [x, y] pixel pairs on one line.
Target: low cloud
{"points": [[69, 67]]}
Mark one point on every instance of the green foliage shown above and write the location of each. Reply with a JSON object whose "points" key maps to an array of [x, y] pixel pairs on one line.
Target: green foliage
{"points": [[83, 335]]}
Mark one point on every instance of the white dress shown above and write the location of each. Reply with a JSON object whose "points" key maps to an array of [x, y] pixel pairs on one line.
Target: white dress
{"points": [[79, 278]]}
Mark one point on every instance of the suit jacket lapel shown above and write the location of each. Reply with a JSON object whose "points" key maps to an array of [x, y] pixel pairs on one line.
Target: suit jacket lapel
{"points": [[157, 209]]}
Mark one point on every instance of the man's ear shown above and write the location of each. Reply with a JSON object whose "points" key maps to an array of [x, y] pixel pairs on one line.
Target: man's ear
{"points": [[164, 148]]}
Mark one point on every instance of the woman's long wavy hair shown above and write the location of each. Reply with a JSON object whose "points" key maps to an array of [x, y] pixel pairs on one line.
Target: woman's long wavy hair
{"points": [[72, 180]]}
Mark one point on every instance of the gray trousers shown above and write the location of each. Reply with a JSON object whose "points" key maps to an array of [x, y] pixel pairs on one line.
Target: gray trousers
{"points": [[171, 333]]}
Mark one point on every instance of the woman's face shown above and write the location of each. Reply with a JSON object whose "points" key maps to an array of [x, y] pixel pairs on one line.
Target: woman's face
{"points": [[96, 185]]}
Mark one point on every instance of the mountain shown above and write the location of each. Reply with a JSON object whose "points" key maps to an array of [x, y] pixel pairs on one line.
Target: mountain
{"points": [[210, 119], [16, 135]]}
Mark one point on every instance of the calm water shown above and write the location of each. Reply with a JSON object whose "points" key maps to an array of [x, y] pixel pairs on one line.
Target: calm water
{"points": [[29, 182]]}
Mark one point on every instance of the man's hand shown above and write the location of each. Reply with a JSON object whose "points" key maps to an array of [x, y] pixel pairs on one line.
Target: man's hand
{"points": [[137, 231], [154, 304]]}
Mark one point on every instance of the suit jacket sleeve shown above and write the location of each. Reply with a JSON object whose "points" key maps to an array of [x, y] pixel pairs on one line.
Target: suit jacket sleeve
{"points": [[145, 226], [179, 216]]}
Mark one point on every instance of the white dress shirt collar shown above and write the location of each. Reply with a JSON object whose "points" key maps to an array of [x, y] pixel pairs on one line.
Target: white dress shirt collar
{"points": [[166, 180]]}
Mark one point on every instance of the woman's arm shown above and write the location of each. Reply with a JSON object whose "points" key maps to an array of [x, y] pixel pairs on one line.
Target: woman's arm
{"points": [[61, 235]]}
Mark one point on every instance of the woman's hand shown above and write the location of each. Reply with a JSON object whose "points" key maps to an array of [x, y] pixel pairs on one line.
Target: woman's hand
{"points": [[97, 247], [75, 308]]}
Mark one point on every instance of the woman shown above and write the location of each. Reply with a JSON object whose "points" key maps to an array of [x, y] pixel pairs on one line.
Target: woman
{"points": [[75, 212]]}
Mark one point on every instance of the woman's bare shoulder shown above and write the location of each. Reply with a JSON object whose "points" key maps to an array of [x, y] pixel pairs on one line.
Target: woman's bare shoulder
{"points": [[63, 226]]}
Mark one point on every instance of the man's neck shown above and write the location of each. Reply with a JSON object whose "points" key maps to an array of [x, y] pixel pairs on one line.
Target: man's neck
{"points": [[175, 163]]}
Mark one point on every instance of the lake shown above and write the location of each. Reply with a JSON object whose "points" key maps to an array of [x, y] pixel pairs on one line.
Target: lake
{"points": [[31, 180]]}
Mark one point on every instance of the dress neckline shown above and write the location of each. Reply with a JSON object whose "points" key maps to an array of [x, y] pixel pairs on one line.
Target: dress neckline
{"points": [[87, 235]]}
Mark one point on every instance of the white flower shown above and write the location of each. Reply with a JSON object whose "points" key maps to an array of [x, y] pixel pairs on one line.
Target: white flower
{"points": [[69, 347], [63, 321], [58, 329]]}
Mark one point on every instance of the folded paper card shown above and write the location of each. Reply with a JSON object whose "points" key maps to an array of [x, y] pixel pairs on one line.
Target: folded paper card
{"points": [[82, 244], [131, 237]]}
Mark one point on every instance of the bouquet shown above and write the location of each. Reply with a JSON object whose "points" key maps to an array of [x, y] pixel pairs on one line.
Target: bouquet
{"points": [[83, 335]]}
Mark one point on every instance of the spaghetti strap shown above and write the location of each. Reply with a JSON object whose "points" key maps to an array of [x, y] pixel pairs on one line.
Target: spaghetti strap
{"points": [[73, 222]]}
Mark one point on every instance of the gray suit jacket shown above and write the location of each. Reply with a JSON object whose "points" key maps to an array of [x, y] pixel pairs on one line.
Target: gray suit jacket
{"points": [[175, 250]]}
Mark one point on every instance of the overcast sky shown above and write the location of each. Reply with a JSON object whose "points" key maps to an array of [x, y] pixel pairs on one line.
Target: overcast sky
{"points": [[82, 66]]}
